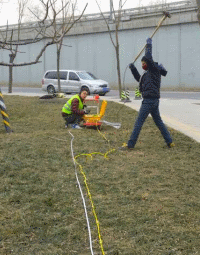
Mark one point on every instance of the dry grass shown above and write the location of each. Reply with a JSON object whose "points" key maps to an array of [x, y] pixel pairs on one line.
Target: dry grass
{"points": [[146, 200]]}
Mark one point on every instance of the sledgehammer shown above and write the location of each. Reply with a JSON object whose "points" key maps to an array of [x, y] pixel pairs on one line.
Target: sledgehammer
{"points": [[165, 15]]}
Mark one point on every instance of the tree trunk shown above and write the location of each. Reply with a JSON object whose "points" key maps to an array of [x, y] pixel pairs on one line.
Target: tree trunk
{"points": [[118, 71], [111, 9], [12, 57], [58, 69], [118, 61], [198, 12]]}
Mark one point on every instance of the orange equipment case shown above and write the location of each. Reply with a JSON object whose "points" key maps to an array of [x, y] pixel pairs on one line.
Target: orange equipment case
{"points": [[95, 119]]}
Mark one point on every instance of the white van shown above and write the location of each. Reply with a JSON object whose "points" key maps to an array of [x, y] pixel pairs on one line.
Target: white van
{"points": [[72, 81]]}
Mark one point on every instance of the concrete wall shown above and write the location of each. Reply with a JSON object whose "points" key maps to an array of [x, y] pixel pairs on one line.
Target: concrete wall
{"points": [[175, 45]]}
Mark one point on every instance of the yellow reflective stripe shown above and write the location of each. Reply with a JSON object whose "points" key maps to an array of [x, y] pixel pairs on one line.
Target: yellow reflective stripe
{"points": [[4, 114], [6, 123], [1, 95]]}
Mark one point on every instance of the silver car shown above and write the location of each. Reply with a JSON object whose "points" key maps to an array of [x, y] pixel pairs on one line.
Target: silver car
{"points": [[72, 81]]}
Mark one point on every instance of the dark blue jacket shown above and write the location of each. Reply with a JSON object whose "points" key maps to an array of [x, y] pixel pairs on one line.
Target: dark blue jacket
{"points": [[149, 82]]}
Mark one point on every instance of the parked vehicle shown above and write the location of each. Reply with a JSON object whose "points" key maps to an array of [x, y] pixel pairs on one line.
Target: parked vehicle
{"points": [[71, 81]]}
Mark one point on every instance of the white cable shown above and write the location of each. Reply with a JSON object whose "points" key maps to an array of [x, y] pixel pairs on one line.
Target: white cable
{"points": [[84, 204], [123, 85]]}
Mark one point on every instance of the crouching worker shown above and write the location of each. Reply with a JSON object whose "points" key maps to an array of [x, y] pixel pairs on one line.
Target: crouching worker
{"points": [[149, 86], [73, 110]]}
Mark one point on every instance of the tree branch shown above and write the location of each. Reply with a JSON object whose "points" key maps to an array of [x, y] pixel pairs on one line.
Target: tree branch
{"points": [[33, 62], [20, 64], [56, 37], [20, 44], [106, 24]]}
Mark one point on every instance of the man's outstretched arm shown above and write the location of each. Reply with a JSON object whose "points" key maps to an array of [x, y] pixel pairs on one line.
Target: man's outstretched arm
{"points": [[148, 54], [134, 72]]}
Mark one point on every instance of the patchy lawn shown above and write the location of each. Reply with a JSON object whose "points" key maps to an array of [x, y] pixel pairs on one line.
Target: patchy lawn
{"points": [[146, 200]]}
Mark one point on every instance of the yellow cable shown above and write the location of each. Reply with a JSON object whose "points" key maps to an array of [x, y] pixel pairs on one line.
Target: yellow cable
{"points": [[103, 136], [93, 208], [105, 155]]}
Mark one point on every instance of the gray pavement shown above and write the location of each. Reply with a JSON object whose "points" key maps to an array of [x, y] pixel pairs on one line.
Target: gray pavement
{"points": [[181, 114]]}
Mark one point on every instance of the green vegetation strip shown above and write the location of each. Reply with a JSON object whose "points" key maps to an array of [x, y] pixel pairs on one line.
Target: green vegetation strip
{"points": [[146, 200]]}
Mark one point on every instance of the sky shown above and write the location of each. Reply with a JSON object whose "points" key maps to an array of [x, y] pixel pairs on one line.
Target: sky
{"points": [[8, 9]]}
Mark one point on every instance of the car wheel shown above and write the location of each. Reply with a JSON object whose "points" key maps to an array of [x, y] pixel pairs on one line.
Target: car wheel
{"points": [[51, 89], [84, 87], [102, 94]]}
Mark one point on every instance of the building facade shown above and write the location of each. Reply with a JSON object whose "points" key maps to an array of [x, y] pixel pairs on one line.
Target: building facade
{"points": [[88, 47]]}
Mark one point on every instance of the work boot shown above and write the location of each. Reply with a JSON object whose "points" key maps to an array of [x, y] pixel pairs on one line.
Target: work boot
{"points": [[125, 147], [170, 145], [76, 126]]}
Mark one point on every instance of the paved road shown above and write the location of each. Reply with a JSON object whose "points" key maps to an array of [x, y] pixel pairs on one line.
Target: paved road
{"points": [[170, 95], [180, 114], [115, 93], [179, 110]]}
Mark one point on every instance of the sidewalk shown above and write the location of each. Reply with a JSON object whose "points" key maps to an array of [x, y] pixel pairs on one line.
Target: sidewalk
{"points": [[180, 114]]}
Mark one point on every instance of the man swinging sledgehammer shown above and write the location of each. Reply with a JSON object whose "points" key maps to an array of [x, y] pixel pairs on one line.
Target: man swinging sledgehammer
{"points": [[149, 86]]}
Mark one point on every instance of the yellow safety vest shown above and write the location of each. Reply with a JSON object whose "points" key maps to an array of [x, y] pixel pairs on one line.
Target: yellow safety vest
{"points": [[67, 107]]}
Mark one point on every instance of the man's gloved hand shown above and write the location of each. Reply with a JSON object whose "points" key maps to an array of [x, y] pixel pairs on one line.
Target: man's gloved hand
{"points": [[161, 66], [149, 41], [84, 106], [131, 66], [163, 71], [86, 111]]}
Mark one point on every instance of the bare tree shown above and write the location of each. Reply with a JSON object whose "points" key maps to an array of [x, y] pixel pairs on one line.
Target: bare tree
{"points": [[62, 26], [116, 19], [44, 29], [14, 48]]}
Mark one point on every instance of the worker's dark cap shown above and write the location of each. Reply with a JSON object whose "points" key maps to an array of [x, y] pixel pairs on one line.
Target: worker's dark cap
{"points": [[145, 59], [84, 89]]}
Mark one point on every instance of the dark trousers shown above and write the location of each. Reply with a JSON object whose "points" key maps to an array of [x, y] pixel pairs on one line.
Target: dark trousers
{"points": [[72, 119], [149, 106]]}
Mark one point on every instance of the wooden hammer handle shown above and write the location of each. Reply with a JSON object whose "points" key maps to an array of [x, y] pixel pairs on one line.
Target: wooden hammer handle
{"points": [[159, 24]]}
